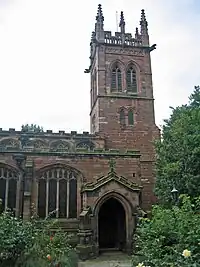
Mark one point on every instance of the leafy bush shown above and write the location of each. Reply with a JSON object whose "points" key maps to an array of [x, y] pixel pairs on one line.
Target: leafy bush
{"points": [[32, 243], [161, 240], [14, 238]]}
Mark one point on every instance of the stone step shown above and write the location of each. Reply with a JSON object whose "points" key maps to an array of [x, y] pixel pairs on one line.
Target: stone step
{"points": [[110, 263], [108, 259]]}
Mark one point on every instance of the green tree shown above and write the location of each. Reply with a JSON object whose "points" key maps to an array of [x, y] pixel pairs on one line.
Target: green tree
{"points": [[161, 240], [178, 151], [32, 128]]}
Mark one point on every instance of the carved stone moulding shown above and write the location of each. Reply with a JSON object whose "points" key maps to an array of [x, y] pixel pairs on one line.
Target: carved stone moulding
{"points": [[124, 51]]}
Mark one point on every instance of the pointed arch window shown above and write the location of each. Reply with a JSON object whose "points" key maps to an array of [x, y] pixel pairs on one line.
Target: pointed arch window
{"points": [[8, 188], [57, 193], [130, 117], [122, 117], [116, 79], [131, 80]]}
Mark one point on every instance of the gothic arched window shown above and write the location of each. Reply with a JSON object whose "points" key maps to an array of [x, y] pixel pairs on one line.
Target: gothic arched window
{"points": [[122, 118], [130, 117], [131, 80], [8, 188], [86, 144], [57, 193], [116, 79]]}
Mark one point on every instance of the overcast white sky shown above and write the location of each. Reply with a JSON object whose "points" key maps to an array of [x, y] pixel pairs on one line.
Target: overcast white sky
{"points": [[44, 49]]}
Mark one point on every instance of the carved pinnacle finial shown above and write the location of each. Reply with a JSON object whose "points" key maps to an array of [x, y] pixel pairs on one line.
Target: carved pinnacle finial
{"points": [[143, 17], [143, 23], [99, 27], [100, 17], [122, 22], [136, 33]]}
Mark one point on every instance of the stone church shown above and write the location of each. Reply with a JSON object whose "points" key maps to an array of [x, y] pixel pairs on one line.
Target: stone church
{"points": [[94, 183]]}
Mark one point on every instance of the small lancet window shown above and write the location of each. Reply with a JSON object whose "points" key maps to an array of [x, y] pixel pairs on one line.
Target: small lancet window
{"points": [[130, 117], [131, 80], [116, 83], [122, 118]]}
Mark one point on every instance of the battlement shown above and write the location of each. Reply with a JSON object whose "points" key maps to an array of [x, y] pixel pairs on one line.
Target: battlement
{"points": [[118, 40], [56, 143], [46, 133], [37, 140]]}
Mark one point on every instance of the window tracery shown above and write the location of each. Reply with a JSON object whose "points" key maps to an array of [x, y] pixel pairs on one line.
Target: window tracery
{"points": [[59, 145], [38, 144], [116, 79], [10, 143], [8, 188], [86, 144], [57, 193], [131, 80]]}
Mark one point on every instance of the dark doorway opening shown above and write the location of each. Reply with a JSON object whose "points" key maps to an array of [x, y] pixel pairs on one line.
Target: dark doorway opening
{"points": [[112, 225]]}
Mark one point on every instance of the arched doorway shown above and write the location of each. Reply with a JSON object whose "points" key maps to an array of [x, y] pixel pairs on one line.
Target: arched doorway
{"points": [[112, 225]]}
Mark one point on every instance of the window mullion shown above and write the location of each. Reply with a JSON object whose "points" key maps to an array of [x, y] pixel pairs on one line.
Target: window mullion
{"points": [[47, 197], [57, 199], [18, 195], [6, 193], [116, 78], [68, 174], [131, 81]]}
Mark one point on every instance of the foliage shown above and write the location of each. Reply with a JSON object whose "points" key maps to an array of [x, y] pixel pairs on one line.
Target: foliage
{"points": [[32, 128], [162, 239], [32, 243], [14, 237], [178, 153]]}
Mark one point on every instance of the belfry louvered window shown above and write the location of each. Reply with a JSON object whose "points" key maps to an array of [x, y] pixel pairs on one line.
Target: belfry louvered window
{"points": [[116, 79], [131, 80], [57, 193]]}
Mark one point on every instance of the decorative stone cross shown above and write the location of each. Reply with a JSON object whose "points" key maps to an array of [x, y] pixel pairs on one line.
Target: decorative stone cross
{"points": [[112, 164]]}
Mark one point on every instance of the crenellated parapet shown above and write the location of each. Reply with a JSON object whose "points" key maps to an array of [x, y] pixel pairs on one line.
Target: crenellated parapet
{"points": [[129, 40], [57, 143], [47, 132], [48, 141]]}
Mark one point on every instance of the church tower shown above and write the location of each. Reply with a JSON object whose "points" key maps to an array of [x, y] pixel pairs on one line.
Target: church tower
{"points": [[122, 101], [121, 78]]}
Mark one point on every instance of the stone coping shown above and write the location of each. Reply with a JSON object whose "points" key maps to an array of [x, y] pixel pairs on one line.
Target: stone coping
{"points": [[89, 153], [47, 132]]}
